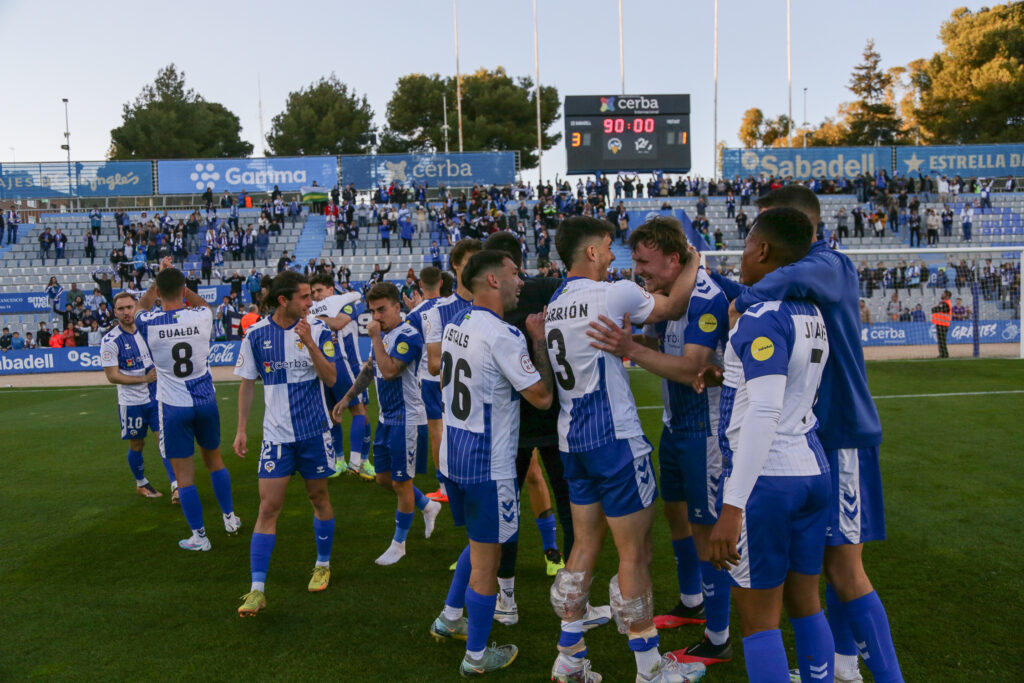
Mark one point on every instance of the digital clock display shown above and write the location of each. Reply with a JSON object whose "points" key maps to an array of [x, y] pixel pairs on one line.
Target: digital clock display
{"points": [[627, 133]]}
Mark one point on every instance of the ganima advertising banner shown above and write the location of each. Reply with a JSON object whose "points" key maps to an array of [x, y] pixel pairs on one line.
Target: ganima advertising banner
{"points": [[804, 163], [458, 170], [82, 179], [961, 160], [960, 332], [289, 174]]}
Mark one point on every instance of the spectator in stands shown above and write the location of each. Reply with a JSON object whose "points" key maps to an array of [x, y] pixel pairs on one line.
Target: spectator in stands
{"points": [[95, 221], [833, 240], [262, 242], [252, 315], [236, 280], [60, 241], [865, 313], [931, 224], [45, 242], [435, 255], [406, 232], [841, 220], [220, 318], [206, 265], [93, 301], [43, 335], [719, 239], [344, 275], [67, 337], [966, 219], [905, 316], [74, 293], [53, 290], [914, 223], [283, 262], [17, 342], [12, 219], [917, 315], [56, 341], [378, 274], [102, 279], [252, 285], [104, 315], [385, 235], [893, 308], [741, 223], [90, 247], [30, 343], [858, 221], [95, 334], [5, 340], [959, 312]]}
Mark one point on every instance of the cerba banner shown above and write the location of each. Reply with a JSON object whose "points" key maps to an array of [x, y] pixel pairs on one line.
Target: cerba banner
{"points": [[469, 168], [803, 163], [960, 332], [289, 174]]}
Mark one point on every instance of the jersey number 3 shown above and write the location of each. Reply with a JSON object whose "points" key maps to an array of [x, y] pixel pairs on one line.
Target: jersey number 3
{"points": [[556, 342]]}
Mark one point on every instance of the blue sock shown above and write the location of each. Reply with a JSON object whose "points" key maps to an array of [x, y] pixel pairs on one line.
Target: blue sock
{"points": [[367, 440], [170, 471], [870, 627], [190, 505], [356, 433], [136, 465], [222, 489], [815, 649], [765, 656], [460, 581], [403, 520], [323, 529], [716, 597], [479, 615], [687, 566], [570, 638], [548, 530], [260, 549], [841, 633], [420, 500], [338, 437]]}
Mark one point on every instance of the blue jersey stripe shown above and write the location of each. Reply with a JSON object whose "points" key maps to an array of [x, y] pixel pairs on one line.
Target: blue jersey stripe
{"points": [[727, 400]]}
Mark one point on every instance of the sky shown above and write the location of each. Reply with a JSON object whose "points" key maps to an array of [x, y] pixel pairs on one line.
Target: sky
{"points": [[100, 55]]}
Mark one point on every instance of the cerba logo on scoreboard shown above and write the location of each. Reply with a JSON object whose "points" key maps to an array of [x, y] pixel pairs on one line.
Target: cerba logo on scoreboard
{"points": [[629, 104]]}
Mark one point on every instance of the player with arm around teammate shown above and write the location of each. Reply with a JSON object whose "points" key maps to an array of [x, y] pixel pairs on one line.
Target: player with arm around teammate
{"points": [[127, 364], [851, 433], [607, 458], [179, 337], [486, 370], [776, 490], [688, 454], [401, 442], [294, 360]]}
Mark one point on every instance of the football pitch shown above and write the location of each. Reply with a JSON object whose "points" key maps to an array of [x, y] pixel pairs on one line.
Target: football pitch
{"points": [[93, 585]]}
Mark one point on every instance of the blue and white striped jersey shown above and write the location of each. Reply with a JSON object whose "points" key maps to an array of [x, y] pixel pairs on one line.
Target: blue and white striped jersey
{"points": [[293, 393], [447, 310], [484, 364], [351, 304], [785, 343], [179, 343], [128, 352], [417, 318], [706, 322], [399, 398], [588, 379]]}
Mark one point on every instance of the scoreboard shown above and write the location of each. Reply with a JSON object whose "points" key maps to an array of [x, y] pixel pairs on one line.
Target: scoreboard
{"points": [[627, 133]]}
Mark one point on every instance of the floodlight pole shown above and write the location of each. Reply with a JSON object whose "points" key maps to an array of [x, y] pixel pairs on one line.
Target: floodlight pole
{"points": [[789, 74], [714, 159], [536, 63], [67, 146], [458, 74], [622, 63], [445, 127]]}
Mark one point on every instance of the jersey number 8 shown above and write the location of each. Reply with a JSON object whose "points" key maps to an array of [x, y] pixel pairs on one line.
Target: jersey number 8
{"points": [[182, 355]]}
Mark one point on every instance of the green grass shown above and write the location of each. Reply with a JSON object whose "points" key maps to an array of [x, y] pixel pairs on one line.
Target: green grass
{"points": [[93, 586]]}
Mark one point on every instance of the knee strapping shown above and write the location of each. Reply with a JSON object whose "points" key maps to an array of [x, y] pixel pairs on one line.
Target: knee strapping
{"points": [[569, 593], [629, 611]]}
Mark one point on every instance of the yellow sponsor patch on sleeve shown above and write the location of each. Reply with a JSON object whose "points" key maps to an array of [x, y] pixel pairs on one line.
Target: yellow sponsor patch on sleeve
{"points": [[329, 349], [402, 348], [707, 323], [762, 348]]}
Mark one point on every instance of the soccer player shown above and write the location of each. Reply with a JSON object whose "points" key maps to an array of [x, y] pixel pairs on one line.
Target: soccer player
{"points": [[689, 457], [340, 312], [294, 359], [486, 370], [400, 447], [538, 430], [606, 456], [430, 388], [850, 432], [178, 337], [126, 363], [774, 506], [448, 309]]}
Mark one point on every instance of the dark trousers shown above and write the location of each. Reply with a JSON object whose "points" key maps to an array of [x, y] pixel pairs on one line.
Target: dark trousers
{"points": [[915, 236], [559, 488], [940, 335], [407, 243], [386, 243]]}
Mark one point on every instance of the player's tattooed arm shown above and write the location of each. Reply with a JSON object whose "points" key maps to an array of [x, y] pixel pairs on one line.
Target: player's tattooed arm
{"points": [[360, 385], [541, 394]]}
